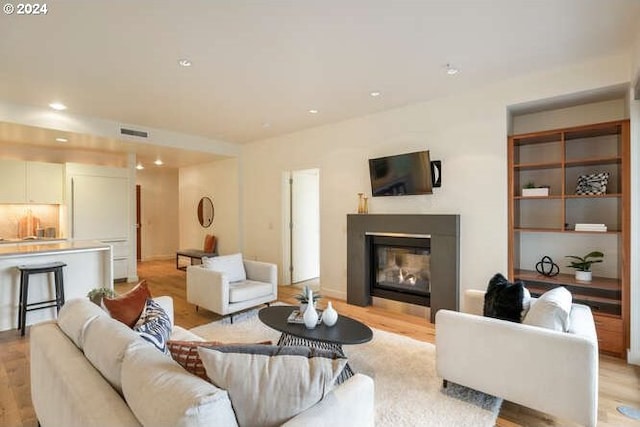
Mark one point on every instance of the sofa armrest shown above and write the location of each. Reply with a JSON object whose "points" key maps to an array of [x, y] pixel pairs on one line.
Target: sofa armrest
{"points": [[262, 272], [208, 288], [553, 372], [350, 404]]}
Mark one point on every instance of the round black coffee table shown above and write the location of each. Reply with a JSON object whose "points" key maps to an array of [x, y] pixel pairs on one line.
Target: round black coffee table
{"points": [[346, 331]]}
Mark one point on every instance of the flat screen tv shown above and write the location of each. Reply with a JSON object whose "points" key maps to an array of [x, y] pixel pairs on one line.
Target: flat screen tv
{"points": [[401, 175]]}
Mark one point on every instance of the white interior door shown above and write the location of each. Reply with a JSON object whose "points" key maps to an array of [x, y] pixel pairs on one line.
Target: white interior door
{"points": [[305, 225]]}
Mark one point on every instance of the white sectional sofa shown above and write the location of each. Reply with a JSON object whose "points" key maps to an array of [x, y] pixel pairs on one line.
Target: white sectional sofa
{"points": [[89, 370], [547, 370]]}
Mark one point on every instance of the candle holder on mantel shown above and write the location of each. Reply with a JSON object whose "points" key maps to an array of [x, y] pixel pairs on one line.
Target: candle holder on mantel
{"points": [[363, 204]]}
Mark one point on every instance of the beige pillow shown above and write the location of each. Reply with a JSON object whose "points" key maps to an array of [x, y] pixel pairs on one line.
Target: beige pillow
{"points": [[162, 394], [551, 310], [269, 385]]}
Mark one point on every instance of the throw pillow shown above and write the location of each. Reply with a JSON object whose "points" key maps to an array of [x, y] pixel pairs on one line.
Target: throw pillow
{"points": [[154, 325], [231, 265], [186, 354], [128, 307], [551, 310], [269, 384], [504, 300]]}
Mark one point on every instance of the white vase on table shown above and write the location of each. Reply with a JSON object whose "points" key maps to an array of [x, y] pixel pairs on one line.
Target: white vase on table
{"points": [[310, 316], [329, 315]]}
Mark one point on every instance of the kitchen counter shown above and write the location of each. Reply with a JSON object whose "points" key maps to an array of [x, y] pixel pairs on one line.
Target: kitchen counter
{"points": [[89, 265]]}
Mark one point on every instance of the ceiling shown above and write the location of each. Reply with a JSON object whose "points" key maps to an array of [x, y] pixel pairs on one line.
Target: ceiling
{"points": [[260, 66]]}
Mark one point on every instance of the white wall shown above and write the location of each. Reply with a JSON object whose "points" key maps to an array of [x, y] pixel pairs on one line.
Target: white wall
{"points": [[159, 212], [467, 132], [219, 181]]}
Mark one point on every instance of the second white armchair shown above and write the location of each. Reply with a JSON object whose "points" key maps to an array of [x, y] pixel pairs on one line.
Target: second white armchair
{"points": [[228, 284]]}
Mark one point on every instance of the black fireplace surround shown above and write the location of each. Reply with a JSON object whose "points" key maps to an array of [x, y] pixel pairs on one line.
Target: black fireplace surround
{"points": [[419, 253]]}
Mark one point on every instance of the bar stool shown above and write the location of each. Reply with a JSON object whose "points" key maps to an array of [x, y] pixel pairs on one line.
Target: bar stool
{"points": [[25, 272]]}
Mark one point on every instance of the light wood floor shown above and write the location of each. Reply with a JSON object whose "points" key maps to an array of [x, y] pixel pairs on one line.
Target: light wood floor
{"points": [[619, 382]]}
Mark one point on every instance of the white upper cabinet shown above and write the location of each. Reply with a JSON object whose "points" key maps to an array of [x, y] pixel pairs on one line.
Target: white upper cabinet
{"points": [[44, 182], [31, 182], [14, 181]]}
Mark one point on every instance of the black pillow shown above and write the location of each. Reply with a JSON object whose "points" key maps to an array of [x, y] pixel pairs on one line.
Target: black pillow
{"points": [[503, 300]]}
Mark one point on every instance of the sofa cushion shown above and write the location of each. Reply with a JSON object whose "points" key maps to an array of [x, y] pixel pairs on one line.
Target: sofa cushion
{"points": [[105, 342], [276, 383], [504, 300], [186, 354], [74, 317], [161, 393], [231, 265], [128, 307], [248, 290], [551, 310], [154, 325]]}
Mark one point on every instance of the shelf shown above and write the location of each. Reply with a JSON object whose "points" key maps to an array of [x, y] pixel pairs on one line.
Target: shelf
{"points": [[535, 166], [537, 197], [594, 161], [537, 138], [593, 196], [559, 230], [602, 294]]}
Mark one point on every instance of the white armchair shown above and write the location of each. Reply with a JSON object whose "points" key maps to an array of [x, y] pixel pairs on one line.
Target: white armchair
{"points": [[549, 371], [216, 287]]}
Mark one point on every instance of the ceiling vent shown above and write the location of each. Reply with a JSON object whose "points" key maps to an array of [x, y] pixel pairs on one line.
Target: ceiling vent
{"points": [[133, 132]]}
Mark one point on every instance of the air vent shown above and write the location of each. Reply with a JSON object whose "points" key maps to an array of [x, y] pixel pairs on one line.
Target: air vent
{"points": [[133, 132]]}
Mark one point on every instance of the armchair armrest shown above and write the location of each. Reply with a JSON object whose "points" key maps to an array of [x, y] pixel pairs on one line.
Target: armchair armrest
{"points": [[262, 272], [208, 288], [553, 372]]}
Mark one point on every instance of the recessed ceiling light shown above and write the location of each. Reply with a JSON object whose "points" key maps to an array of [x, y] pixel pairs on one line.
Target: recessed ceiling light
{"points": [[451, 70], [58, 106], [375, 93], [184, 62], [313, 111], [62, 139], [266, 125], [158, 162], [139, 166]]}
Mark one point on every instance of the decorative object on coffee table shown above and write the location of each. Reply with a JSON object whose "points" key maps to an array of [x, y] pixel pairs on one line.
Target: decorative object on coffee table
{"points": [[310, 314], [303, 298], [583, 264], [547, 267], [330, 315], [96, 295]]}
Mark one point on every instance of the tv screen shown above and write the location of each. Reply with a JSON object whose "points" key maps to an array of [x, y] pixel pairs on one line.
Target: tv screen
{"points": [[400, 175]]}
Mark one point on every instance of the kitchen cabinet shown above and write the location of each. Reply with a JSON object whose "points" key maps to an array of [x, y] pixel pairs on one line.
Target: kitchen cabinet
{"points": [[31, 182], [100, 210]]}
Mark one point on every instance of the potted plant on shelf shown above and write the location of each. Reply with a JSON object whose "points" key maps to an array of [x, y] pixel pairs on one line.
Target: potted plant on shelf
{"points": [[303, 298], [583, 264], [96, 295]]}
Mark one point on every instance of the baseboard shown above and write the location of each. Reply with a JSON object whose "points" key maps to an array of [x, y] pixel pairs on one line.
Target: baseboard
{"points": [[158, 257], [334, 294]]}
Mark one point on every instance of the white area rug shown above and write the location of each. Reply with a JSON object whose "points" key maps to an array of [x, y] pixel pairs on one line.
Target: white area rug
{"points": [[407, 390]]}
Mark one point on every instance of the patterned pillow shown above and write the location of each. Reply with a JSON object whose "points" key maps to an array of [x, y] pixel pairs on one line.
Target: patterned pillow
{"points": [[128, 307], [592, 184], [186, 354], [154, 325]]}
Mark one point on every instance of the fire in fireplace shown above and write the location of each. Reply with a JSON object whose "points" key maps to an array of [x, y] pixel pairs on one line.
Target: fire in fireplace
{"points": [[400, 267]]}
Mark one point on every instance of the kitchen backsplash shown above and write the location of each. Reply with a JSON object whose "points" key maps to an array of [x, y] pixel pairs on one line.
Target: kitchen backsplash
{"points": [[10, 216]]}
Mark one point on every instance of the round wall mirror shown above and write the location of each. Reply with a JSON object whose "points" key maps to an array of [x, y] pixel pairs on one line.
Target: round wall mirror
{"points": [[205, 212]]}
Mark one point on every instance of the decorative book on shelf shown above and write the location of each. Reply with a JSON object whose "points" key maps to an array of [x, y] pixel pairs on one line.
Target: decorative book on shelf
{"points": [[297, 317], [591, 227]]}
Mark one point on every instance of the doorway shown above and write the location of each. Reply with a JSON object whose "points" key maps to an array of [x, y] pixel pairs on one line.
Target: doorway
{"points": [[138, 225], [301, 225]]}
